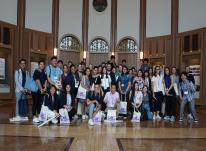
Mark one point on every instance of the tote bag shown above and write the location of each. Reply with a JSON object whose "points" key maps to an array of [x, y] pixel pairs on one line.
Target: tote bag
{"points": [[31, 85], [136, 116], [111, 116], [81, 93], [44, 111], [64, 118], [97, 118]]}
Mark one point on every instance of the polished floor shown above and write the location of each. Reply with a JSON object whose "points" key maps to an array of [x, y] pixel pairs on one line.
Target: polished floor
{"points": [[125, 136]]}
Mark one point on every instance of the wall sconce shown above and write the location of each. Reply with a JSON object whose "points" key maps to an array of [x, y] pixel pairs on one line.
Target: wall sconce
{"points": [[112, 53], [85, 55], [141, 55], [55, 51]]}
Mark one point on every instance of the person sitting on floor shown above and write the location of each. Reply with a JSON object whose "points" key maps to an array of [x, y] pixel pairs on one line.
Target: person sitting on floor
{"points": [[51, 101], [67, 101], [112, 99], [94, 103]]}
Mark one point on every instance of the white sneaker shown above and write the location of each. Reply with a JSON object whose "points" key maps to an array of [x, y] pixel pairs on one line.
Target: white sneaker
{"points": [[24, 118], [154, 117], [35, 120], [15, 119], [84, 117], [166, 118], [172, 119], [75, 117], [90, 122], [158, 117], [189, 116]]}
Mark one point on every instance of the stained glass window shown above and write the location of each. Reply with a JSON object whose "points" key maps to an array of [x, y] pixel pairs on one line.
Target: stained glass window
{"points": [[70, 43], [99, 45], [127, 45]]}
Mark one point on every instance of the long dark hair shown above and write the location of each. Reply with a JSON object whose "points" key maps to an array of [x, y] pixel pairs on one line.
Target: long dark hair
{"points": [[90, 75], [102, 75], [155, 73], [123, 69], [133, 90]]}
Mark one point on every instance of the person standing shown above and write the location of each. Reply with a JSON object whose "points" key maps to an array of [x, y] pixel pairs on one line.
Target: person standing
{"points": [[21, 76], [41, 80]]}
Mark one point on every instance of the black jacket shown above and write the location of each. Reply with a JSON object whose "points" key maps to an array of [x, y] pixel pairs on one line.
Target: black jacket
{"points": [[51, 105], [63, 100]]}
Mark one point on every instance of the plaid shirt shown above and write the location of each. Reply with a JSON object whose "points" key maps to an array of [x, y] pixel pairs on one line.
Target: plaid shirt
{"points": [[187, 90]]}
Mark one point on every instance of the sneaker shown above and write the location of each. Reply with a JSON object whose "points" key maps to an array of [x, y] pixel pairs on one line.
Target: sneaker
{"points": [[158, 117], [166, 118], [196, 121], [90, 122], [35, 120], [172, 119], [83, 117], [189, 116], [154, 117], [75, 117], [24, 118], [180, 120], [15, 119]]}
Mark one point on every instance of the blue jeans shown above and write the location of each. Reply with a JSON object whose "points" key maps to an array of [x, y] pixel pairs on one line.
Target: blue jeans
{"points": [[191, 107], [146, 108], [90, 110], [18, 97]]}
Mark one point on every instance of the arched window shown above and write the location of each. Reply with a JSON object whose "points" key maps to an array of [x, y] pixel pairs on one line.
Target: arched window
{"points": [[99, 45], [69, 42], [127, 45]]}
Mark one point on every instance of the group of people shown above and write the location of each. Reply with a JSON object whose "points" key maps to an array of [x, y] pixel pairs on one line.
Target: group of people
{"points": [[106, 85]]}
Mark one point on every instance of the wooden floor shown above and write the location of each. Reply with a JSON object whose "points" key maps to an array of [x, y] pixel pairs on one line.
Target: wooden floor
{"points": [[126, 136]]}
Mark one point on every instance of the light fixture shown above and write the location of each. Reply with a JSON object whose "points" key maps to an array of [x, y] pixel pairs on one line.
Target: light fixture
{"points": [[112, 53], [85, 55], [55, 51], [141, 55]]}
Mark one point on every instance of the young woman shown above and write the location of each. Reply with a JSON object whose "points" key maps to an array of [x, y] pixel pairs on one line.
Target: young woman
{"points": [[146, 101], [85, 83], [150, 73], [139, 79], [105, 80], [158, 89], [65, 76], [170, 96], [67, 101], [136, 97], [37, 97], [94, 103], [124, 85], [175, 78], [95, 79], [51, 101], [147, 81], [187, 95]]}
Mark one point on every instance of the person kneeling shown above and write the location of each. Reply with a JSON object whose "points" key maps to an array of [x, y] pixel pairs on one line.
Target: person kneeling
{"points": [[94, 103], [112, 99], [51, 101], [67, 101]]}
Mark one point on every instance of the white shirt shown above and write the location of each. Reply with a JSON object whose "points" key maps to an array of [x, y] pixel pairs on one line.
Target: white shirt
{"points": [[106, 80], [157, 83], [69, 99], [111, 99], [138, 97]]}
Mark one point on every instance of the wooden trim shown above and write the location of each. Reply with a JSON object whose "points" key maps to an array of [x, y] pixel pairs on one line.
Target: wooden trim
{"points": [[55, 22], [113, 35], [85, 24], [142, 28]]}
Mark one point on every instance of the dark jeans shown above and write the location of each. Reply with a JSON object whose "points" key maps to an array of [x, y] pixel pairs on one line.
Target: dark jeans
{"points": [[37, 102], [170, 105], [158, 102], [72, 113]]}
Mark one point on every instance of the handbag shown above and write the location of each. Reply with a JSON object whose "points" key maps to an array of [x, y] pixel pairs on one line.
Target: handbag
{"points": [[97, 118], [64, 118], [31, 85], [123, 107], [81, 93], [44, 112], [23, 105], [111, 116], [136, 116]]}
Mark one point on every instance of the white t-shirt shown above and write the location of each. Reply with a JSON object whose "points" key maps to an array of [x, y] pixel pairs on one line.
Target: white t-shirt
{"points": [[157, 82], [137, 99], [69, 99], [106, 80]]}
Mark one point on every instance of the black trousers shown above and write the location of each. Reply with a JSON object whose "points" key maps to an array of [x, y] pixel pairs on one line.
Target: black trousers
{"points": [[37, 98], [170, 105], [158, 102]]}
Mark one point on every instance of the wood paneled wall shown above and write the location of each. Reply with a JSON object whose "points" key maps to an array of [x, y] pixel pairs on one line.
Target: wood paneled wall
{"points": [[131, 59], [73, 56]]}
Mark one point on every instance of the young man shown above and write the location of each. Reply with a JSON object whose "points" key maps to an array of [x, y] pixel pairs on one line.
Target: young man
{"points": [[37, 97], [187, 95], [145, 65], [112, 99], [21, 76], [94, 103], [54, 73]]}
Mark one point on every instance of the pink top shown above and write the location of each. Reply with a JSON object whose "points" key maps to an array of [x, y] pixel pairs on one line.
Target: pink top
{"points": [[111, 99]]}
